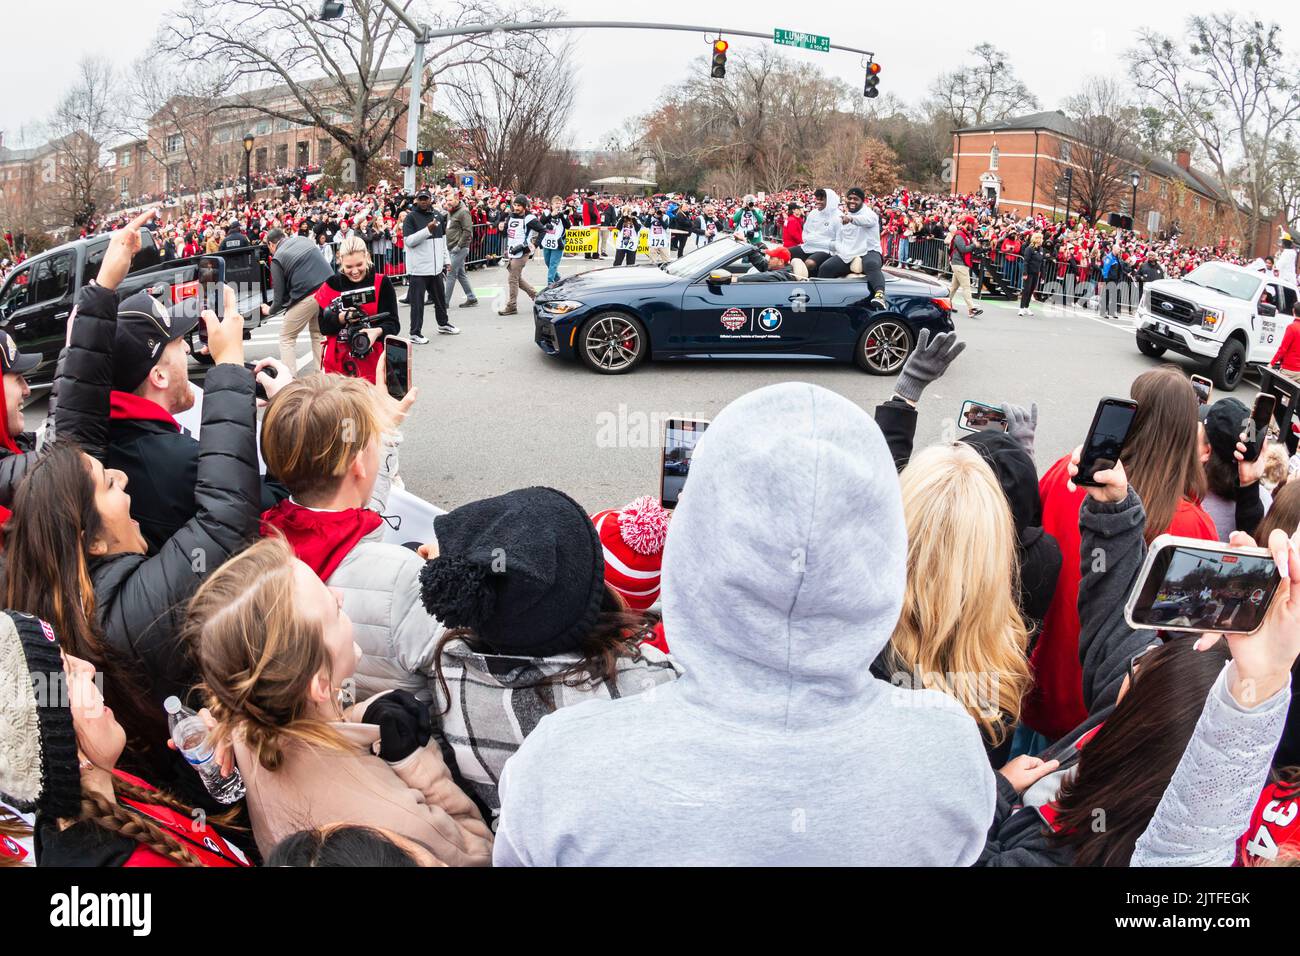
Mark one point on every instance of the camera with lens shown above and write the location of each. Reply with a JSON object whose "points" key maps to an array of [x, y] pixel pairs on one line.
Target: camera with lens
{"points": [[353, 322]]}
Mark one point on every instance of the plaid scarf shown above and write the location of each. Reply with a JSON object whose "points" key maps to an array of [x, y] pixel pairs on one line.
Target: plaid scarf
{"points": [[497, 700]]}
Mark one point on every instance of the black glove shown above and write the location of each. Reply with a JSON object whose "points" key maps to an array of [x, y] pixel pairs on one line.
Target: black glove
{"points": [[519, 250], [404, 724]]}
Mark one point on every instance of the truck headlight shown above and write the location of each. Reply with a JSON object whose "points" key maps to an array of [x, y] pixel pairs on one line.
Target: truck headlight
{"points": [[563, 307], [1210, 319]]}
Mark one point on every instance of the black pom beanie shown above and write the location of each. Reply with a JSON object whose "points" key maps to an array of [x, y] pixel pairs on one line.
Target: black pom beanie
{"points": [[525, 571]]}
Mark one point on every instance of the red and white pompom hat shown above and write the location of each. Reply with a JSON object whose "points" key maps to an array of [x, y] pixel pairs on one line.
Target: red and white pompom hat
{"points": [[633, 540]]}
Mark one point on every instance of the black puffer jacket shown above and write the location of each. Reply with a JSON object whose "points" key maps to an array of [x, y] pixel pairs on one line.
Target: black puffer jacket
{"points": [[13, 466], [140, 601]]}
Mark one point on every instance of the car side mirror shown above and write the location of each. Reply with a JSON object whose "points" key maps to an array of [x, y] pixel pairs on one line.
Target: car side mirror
{"points": [[1266, 309], [719, 278]]}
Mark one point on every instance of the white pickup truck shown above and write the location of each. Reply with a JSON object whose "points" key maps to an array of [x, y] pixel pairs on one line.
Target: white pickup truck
{"points": [[1226, 314]]}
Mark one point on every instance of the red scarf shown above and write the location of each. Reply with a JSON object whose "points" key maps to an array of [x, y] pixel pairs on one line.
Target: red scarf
{"points": [[320, 539], [127, 407]]}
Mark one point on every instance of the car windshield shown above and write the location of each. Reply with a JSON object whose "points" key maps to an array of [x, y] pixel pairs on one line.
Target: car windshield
{"points": [[1213, 275], [705, 258]]}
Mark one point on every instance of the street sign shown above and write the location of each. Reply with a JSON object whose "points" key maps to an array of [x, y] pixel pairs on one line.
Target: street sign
{"points": [[808, 41]]}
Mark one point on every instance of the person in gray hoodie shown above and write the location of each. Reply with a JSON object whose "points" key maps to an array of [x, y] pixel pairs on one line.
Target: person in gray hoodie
{"points": [[783, 577], [818, 231]]}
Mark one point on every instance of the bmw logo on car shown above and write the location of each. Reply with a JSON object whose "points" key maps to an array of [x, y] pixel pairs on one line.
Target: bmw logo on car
{"points": [[769, 320]]}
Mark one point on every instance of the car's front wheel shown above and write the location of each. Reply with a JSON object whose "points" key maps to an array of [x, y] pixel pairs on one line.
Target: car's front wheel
{"points": [[1149, 348], [612, 343], [883, 347], [1228, 369]]}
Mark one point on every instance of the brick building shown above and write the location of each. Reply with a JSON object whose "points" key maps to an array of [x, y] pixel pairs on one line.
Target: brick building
{"points": [[193, 143], [1020, 162]]}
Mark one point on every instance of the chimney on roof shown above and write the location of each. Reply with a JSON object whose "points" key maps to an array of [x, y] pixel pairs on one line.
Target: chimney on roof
{"points": [[1183, 158]]}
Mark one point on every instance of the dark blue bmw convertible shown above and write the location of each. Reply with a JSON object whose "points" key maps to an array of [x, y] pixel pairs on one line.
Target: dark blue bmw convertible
{"points": [[612, 320]]}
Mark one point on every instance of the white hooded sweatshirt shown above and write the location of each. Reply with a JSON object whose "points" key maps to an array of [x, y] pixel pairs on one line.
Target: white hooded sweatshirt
{"points": [[820, 225], [783, 576]]}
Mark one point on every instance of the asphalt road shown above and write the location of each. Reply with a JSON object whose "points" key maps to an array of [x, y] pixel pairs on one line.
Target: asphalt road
{"points": [[495, 413]]}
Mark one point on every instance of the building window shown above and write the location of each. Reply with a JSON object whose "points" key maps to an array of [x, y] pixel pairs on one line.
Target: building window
{"points": [[175, 143], [259, 160], [326, 146], [1196, 203], [124, 158], [263, 127], [282, 156], [993, 159], [1065, 151], [281, 125], [1164, 189]]}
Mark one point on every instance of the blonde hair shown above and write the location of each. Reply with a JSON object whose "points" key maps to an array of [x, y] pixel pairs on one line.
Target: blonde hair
{"points": [[352, 245], [961, 630], [316, 427], [259, 654]]}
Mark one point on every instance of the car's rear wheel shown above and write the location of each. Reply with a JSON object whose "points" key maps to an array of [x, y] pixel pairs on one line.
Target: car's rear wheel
{"points": [[883, 347], [612, 343]]}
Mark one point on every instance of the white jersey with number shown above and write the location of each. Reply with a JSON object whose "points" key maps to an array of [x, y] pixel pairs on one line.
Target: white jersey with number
{"points": [[551, 238], [658, 235], [627, 238], [517, 233]]}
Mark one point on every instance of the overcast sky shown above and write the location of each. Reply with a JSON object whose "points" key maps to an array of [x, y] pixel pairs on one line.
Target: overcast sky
{"points": [[622, 72]]}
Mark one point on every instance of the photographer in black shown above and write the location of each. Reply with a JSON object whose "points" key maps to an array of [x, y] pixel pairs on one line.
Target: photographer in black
{"points": [[354, 330]]}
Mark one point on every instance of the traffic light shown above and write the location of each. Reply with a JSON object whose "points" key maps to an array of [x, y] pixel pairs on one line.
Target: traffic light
{"points": [[719, 58], [419, 157], [873, 80]]}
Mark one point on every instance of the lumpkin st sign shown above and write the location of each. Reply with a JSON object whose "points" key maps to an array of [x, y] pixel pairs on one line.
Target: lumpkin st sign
{"points": [[808, 41]]}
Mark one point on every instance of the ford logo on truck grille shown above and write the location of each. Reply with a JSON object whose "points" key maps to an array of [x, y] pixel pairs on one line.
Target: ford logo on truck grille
{"points": [[1167, 306]]}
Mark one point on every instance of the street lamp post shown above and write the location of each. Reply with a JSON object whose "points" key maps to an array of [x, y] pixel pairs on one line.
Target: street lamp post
{"points": [[248, 177], [1134, 177], [1069, 194]]}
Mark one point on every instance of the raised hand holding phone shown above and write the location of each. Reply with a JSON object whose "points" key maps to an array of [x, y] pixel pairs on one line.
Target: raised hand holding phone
{"points": [[225, 334], [1109, 485], [1264, 659]]}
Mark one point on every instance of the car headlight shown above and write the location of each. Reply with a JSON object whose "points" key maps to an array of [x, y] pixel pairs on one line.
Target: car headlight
{"points": [[1210, 319], [563, 307]]}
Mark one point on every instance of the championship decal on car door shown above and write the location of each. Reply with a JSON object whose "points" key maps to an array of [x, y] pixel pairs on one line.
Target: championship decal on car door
{"points": [[734, 319]]}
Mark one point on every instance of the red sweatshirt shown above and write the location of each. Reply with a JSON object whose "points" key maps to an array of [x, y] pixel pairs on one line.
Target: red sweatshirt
{"points": [[1288, 353], [1055, 706], [792, 232]]}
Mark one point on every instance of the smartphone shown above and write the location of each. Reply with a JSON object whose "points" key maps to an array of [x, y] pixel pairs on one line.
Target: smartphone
{"points": [[979, 417], [1106, 437], [1203, 388], [259, 391], [1187, 584], [680, 437], [397, 365], [1257, 428], [212, 291]]}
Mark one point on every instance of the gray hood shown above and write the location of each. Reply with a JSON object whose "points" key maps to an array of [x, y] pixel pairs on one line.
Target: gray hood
{"points": [[820, 225], [784, 568]]}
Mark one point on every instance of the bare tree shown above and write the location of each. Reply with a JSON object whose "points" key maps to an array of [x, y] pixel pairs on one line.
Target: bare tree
{"points": [[344, 76], [515, 116], [73, 184], [1103, 123], [1231, 86], [984, 91], [174, 109]]}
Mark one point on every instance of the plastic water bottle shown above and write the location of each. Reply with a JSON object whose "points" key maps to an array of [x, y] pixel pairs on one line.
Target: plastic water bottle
{"points": [[190, 733]]}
